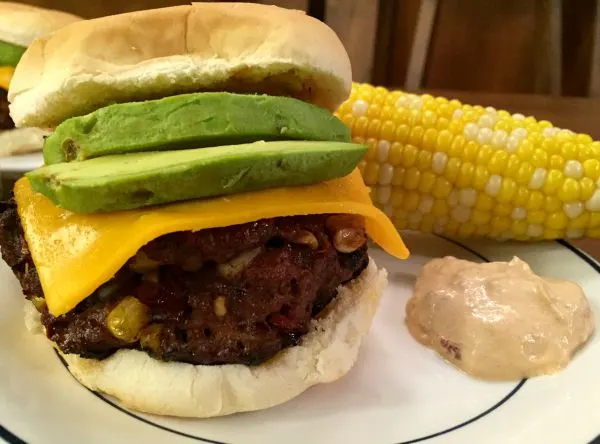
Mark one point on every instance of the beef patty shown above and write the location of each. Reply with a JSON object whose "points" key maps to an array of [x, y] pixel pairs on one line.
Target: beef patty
{"points": [[237, 294], [6, 122]]}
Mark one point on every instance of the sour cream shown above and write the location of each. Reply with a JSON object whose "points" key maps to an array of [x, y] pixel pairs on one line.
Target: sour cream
{"points": [[499, 320]]}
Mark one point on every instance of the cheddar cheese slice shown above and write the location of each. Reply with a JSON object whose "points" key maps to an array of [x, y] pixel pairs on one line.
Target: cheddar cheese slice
{"points": [[76, 253], [6, 73]]}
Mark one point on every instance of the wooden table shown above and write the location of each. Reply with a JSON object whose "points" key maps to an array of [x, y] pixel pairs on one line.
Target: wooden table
{"points": [[577, 114]]}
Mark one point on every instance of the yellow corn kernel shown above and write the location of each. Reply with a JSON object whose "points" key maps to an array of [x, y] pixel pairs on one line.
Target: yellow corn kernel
{"points": [[430, 139], [524, 173], [498, 162], [484, 202], [452, 169], [535, 202], [470, 151], [550, 233], [591, 168], [556, 162], [427, 223], [536, 217], [501, 224], [480, 177], [553, 182], [373, 128], [372, 151], [441, 188], [519, 227], [371, 173], [416, 136], [387, 113], [402, 133], [360, 126], [444, 141], [411, 179], [568, 150], [479, 217], [550, 146], [508, 189], [569, 191], [484, 155], [466, 229], [557, 221], [502, 209], [580, 222], [522, 196], [424, 161], [539, 159], [395, 154], [398, 176], [388, 130], [457, 147], [429, 119], [411, 201], [427, 182], [442, 123], [465, 175], [587, 187], [525, 150], [409, 155], [440, 208], [373, 112]]}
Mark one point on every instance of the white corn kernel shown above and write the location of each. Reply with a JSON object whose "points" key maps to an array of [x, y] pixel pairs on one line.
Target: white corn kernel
{"points": [[499, 138], [484, 136], [573, 209], [574, 169], [360, 108], [402, 101], [538, 178], [460, 214], [574, 233], [550, 132], [383, 151], [512, 143], [492, 187], [518, 116], [486, 121], [426, 204], [470, 131], [438, 162], [452, 199], [388, 210], [467, 197], [415, 217], [519, 133], [593, 203], [535, 230], [458, 113], [383, 194], [519, 213], [386, 173]]}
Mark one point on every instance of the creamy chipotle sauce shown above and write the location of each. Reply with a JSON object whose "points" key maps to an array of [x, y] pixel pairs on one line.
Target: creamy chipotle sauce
{"points": [[498, 320]]}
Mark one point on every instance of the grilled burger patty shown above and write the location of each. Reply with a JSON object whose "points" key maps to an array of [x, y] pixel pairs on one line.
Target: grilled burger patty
{"points": [[237, 294], [6, 122]]}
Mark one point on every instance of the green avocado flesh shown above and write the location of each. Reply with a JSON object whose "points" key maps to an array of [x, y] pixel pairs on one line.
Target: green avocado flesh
{"points": [[190, 121], [10, 54], [127, 181]]}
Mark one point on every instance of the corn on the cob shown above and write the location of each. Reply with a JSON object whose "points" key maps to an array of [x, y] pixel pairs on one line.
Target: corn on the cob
{"points": [[436, 165]]}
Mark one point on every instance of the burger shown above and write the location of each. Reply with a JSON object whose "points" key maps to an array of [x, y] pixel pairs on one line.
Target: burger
{"points": [[196, 243], [19, 26]]}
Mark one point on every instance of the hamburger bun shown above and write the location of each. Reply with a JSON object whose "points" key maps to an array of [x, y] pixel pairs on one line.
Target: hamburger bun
{"points": [[325, 354], [21, 141], [21, 24], [156, 53]]}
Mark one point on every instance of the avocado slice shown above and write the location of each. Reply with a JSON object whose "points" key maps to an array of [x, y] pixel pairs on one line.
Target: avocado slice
{"points": [[190, 121], [134, 180], [10, 54]]}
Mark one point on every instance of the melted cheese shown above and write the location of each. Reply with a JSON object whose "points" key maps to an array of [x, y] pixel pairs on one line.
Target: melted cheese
{"points": [[6, 73], [76, 253]]}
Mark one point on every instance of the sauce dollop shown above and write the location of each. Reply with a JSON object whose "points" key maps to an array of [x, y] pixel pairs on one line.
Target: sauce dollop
{"points": [[498, 320]]}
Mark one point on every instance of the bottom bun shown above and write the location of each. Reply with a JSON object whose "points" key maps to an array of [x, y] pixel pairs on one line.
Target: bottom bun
{"points": [[325, 354], [21, 141]]}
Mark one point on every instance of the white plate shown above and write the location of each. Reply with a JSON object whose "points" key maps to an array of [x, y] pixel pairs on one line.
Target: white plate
{"points": [[398, 392], [21, 164]]}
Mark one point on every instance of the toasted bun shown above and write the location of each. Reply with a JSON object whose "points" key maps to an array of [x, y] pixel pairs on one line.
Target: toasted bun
{"points": [[21, 24], [21, 141], [325, 354], [242, 47]]}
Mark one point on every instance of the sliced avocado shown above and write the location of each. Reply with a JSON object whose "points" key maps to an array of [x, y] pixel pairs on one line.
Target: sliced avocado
{"points": [[190, 121], [134, 180], [10, 54]]}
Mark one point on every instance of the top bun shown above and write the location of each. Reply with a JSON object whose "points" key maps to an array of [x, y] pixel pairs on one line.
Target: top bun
{"points": [[237, 47], [22, 24]]}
